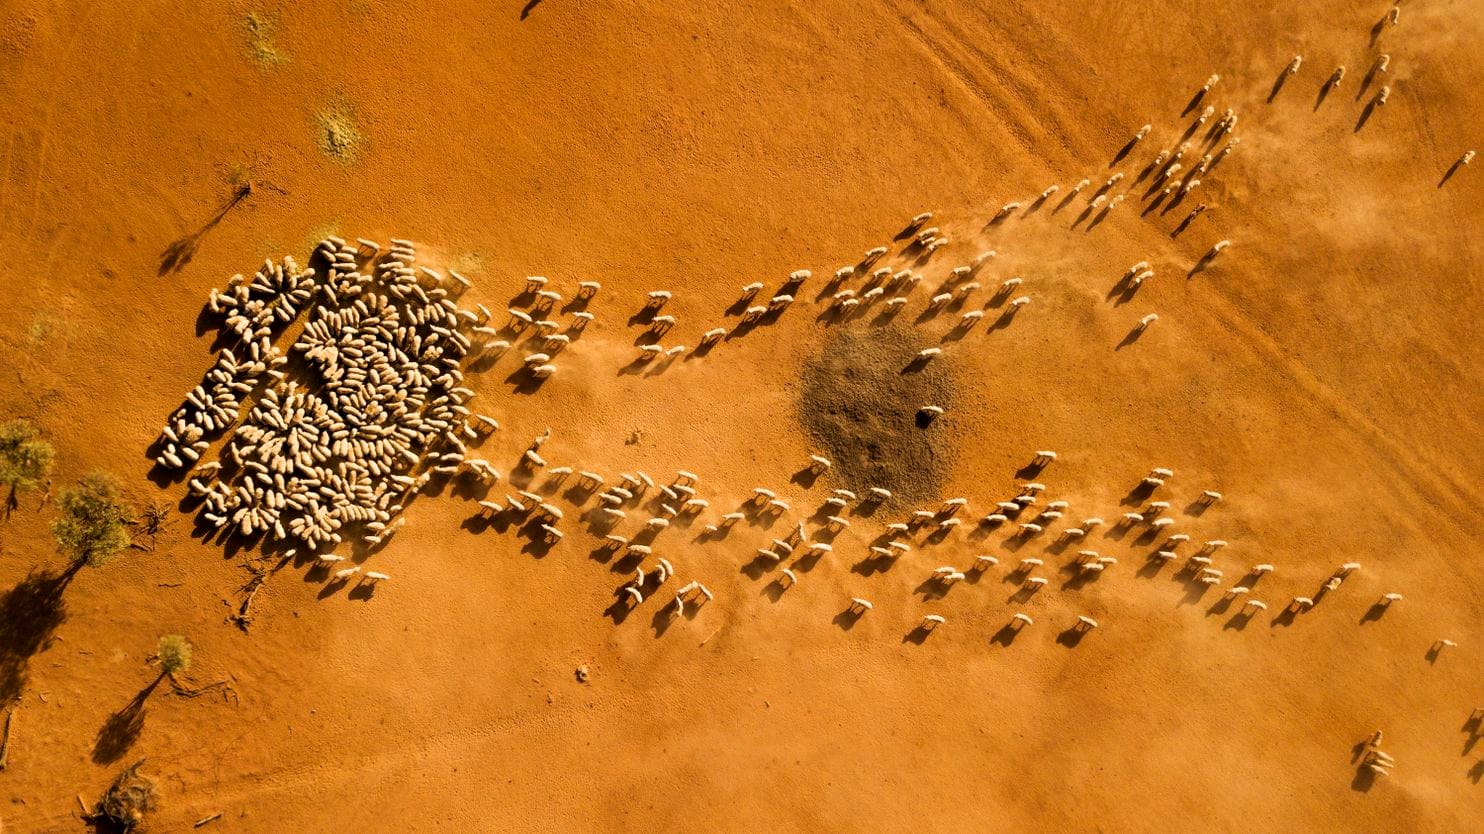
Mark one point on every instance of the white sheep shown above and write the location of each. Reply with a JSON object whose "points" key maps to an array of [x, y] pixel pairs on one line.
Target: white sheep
{"points": [[932, 621]]}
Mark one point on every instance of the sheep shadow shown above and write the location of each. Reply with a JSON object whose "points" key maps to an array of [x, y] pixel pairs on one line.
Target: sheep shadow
{"points": [[362, 591], [1238, 621], [1194, 593], [1476, 773], [872, 565], [620, 609], [773, 590], [757, 568], [918, 635], [1323, 94], [1070, 637], [805, 477], [1365, 115], [1278, 85], [847, 619], [1448, 175], [1373, 613], [1221, 606], [1364, 780], [1284, 618], [122, 729], [932, 589], [1151, 567]]}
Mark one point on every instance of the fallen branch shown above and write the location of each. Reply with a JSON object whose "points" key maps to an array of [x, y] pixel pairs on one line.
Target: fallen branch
{"points": [[204, 820], [187, 692], [5, 738]]}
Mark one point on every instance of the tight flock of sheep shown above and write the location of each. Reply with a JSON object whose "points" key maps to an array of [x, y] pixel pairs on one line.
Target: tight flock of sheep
{"points": [[367, 391]]}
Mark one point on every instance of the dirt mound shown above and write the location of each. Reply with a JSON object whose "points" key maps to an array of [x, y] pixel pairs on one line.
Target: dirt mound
{"points": [[860, 401]]}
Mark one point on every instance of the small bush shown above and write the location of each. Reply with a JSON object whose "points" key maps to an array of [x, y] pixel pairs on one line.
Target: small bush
{"points": [[94, 523], [24, 457], [175, 654]]}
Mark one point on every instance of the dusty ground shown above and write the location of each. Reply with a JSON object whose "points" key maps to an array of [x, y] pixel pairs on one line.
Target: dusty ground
{"points": [[1323, 373]]}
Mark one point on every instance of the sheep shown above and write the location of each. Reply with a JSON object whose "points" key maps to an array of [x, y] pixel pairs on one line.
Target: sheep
{"points": [[1334, 78], [372, 577], [1300, 604], [1468, 156], [799, 276], [752, 289], [1148, 320], [1214, 545], [983, 563], [1209, 497], [634, 594], [1165, 555], [1387, 599], [1085, 623], [777, 506], [1029, 563], [1218, 248], [1348, 568], [1006, 209], [1020, 302], [1382, 96], [347, 573], [1019, 621], [1293, 66], [1050, 190], [534, 459], [1077, 189], [328, 559], [1210, 82], [657, 299], [1254, 605], [1441, 644], [819, 464], [859, 606], [931, 621]]}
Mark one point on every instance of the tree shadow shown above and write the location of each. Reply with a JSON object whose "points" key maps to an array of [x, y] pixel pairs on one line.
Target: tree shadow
{"points": [[178, 254], [30, 614], [122, 728]]}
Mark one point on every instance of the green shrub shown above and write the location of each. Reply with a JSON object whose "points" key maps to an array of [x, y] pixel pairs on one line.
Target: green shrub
{"points": [[24, 457], [94, 525], [175, 654]]}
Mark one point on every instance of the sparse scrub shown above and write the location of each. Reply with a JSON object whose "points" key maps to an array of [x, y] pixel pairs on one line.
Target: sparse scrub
{"points": [[94, 523], [339, 135]]}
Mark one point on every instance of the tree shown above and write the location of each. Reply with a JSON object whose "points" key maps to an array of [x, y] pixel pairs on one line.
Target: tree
{"points": [[24, 458], [94, 525], [175, 654]]}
